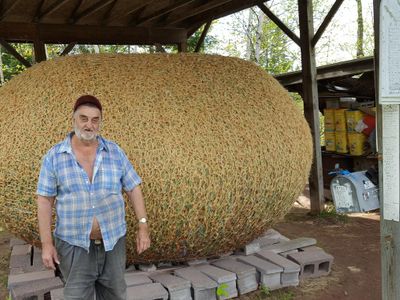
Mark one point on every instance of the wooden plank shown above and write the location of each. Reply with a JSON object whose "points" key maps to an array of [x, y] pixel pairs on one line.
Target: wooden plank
{"points": [[8, 9], [38, 11], [310, 98], [203, 36], [135, 11], [279, 23], [332, 12], [67, 49], [65, 34], [10, 49], [109, 12], [91, 10], [182, 47], [52, 8], [40, 51]]}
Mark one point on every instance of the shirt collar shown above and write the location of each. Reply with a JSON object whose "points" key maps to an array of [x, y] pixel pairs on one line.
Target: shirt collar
{"points": [[66, 144]]}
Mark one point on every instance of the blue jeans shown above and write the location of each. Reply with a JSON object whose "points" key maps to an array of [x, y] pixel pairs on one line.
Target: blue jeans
{"points": [[84, 273]]}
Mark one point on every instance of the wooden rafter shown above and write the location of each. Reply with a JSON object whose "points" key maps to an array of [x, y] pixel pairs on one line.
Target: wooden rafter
{"points": [[203, 36], [52, 8], [38, 11], [109, 13], [68, 49], [73, 13], [332, 12], [137, 10], [176, 18], [10, 49], [8, 9], [279, 23], [162, 12], [64, 34], [90, 10]]}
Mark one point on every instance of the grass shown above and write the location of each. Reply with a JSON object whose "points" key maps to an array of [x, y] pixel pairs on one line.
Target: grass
{"points": [[330, 214]]}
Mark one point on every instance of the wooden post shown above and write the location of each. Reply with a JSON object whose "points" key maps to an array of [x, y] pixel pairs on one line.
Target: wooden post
{"points": [[182, 47], [387, 35], [40, 51], [310, 98]]}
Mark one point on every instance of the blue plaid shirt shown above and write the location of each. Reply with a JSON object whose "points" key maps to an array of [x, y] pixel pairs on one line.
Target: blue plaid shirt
{"points": [[78, 200]]}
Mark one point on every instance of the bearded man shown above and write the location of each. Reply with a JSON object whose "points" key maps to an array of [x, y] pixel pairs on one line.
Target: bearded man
{"points": [[83, 176]]}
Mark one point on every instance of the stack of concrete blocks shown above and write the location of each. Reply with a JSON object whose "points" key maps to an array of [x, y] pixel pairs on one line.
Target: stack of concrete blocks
{"points": [[203, 287], [28, 277], [246, 275], [226, 280], [178, 288]]}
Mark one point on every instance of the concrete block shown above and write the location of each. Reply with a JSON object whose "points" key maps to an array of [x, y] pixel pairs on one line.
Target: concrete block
{"points": [[291, 245], [27, 277], [311, 248], [27, 269], [147, 267], [36, 288], [286, 253], [20, 261], [196, 262], [273, 234], [149, 291], [268, 273], [136, 278], [246, 274], [57, 294], [16, 241], [24, 249], [226, 280], [291, 270], [203, 287], [312, 263], [267, 241], [178, 288]]}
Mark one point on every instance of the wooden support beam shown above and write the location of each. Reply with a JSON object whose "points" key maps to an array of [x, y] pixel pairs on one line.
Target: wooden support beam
{"points": [[332, 12], [38, 11], [109, 12], [52, 8], [65, 34], [8, 9], [182, 46], [203, 36], [39, 49], [162, 12], [208, 6], [10, 49], [68, 49], [91, 10], [136, 12], [310, 98]]}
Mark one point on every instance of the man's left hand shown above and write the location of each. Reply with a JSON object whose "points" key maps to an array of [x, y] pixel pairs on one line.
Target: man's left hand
{"points": [[142, 238]]}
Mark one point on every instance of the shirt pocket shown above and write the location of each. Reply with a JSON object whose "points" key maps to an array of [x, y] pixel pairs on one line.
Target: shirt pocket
{"points": [[110, 176]]}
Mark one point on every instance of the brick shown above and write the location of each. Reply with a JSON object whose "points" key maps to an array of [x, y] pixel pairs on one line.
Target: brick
{"points": [[27, 277], [203, 287], [57, 294], [312, 263], [291, 245], [268, 273], [21, 250], [178, 288], [149, 291], [246, 274], [291, 270], [222, 277], [36, 288], [147, 267], [136, 278]]}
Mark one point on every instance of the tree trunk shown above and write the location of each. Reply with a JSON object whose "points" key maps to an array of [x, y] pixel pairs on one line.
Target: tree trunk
{"points": [[1, 70], [248, 41], [360, 30], [259, 37]]}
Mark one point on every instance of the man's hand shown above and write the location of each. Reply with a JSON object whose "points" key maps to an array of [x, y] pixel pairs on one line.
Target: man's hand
{"points": [[142, 238], [49, 256]]}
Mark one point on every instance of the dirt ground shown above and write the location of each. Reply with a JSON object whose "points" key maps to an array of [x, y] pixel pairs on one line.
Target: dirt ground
{"points": [[353, 241]]}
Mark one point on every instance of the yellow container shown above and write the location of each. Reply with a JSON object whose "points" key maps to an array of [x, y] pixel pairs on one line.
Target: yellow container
{"points": [[352, 118], [357, 143], [340, 119], [330, 141], [329, 117], [341, 141]]}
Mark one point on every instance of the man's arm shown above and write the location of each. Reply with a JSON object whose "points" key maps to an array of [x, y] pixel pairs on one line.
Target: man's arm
{"points": [[137, 202], [49, 253]]}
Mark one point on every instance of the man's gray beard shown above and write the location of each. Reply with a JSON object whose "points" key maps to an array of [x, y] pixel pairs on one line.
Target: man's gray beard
{"points": [[82, 136]]}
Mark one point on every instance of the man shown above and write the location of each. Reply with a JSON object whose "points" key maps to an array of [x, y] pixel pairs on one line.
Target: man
{"points": [[84, 176]]}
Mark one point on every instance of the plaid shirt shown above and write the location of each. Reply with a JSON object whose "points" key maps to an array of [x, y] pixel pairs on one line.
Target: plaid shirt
{"points": [[78, 201]]}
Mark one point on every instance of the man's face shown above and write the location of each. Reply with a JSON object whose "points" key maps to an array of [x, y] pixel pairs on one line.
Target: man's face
{"points": [[86, 122]]}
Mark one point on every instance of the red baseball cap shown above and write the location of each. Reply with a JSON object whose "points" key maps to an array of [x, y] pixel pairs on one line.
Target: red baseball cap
{"points": [[88, 99]]}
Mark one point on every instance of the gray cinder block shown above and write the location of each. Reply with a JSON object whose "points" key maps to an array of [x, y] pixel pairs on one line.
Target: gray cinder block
{"points": [[28, 277], [226, 280], [273, 234], [36, 288], [24, 249], [147, 267], [197, 262], [136, 278], [57, 294], [178, 288], [246, 274], [291, 270], [203, 287], [312, 263], [291, 245], [16, 241], [149, 291], [269, 274]]}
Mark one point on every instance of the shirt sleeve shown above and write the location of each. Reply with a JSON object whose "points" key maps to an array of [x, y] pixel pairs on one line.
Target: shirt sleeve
{"points": [[47, 183], [130, 179]]}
